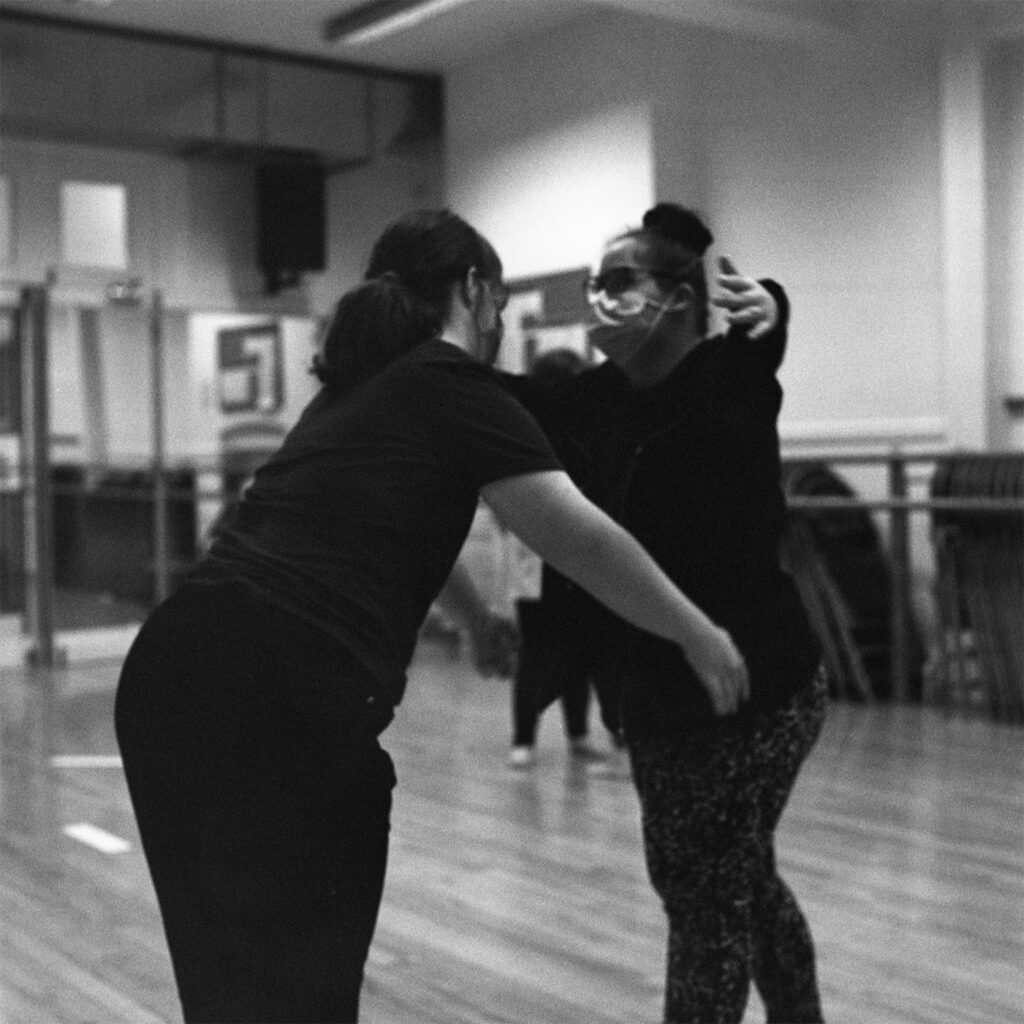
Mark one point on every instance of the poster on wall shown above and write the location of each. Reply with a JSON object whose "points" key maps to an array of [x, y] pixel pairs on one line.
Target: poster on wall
{"points": [[545, 313], [543, 338], [249, 371]]}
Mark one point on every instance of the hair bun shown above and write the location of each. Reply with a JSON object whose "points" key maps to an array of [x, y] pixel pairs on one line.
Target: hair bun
{"points": [[677, 224]]}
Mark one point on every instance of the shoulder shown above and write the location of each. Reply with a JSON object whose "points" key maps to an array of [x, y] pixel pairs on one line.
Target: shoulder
{"points": [[451, 389], [439, 364]]}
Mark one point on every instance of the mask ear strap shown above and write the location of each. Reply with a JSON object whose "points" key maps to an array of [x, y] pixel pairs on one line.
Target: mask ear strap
{"points": [[674, 305]]}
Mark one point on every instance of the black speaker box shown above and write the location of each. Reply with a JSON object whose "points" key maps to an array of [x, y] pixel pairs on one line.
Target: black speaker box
{"points": [[290, 221]]}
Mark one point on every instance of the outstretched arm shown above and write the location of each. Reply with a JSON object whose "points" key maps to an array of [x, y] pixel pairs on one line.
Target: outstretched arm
{"points": [[552, 517]]}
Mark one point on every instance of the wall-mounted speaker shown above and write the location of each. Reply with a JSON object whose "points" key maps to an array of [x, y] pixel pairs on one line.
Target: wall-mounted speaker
{"points": [[291, 235]]}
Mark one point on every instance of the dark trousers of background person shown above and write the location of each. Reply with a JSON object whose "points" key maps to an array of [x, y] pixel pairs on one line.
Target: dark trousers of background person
{"points": [[262, 798], [710, 807], [541, 675]]}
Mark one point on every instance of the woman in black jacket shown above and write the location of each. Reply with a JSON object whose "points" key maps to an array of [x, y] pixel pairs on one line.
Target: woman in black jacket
{"points": [[675, 437]]}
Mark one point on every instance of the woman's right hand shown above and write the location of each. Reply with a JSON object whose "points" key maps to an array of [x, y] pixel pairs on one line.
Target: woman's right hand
{"points": [[719, 666], [549, 514], [747, 302]]}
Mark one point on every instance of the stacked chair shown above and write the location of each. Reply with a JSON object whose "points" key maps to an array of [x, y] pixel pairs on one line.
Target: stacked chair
{"points": [[980, 587], [842, 572]]}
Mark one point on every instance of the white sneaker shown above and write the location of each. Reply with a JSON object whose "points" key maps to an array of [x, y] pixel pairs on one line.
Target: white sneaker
{"points": [[614, 766], [521, 757]]}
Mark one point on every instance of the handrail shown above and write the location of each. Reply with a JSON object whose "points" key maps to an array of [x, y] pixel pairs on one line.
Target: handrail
{"points": [[896, 455], [898, 506], [213, 463], [908, 504], [794, 501]]}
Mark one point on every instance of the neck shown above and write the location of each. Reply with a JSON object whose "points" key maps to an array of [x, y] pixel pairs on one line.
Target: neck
{"points": [[458, 339], [459, 330]]}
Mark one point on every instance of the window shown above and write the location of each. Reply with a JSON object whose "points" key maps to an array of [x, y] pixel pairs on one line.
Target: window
{"points": [[94, 225]]}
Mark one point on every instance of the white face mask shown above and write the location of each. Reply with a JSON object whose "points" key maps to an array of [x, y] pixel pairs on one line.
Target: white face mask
{"points": [[489, 341], [624, 324], [489, 333]]}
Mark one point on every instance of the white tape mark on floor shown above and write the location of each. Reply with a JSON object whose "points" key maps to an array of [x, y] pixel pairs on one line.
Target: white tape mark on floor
{"points": [[95, 837], [86, 761]]}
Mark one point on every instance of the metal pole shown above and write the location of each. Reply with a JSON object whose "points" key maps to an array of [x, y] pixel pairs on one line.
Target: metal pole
{"points": [[39, 570], [161, 573], [899, 548]]}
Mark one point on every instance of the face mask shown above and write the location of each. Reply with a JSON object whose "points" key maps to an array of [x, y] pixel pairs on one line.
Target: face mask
{"points": [[621, 336], [489, 341], [488, 336]]}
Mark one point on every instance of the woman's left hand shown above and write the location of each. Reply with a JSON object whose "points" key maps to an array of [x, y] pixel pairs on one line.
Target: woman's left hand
{"points": [[719, 665], [747, 302]]}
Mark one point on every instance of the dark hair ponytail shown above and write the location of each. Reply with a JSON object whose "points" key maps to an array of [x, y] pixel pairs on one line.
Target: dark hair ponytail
{"points": [[373, 324], [406, 297]]}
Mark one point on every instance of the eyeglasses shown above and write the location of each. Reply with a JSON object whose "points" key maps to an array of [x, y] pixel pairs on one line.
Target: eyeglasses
{"points": [[616, 281]]}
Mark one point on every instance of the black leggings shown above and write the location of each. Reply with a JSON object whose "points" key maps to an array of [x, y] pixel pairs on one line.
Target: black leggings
{"points": [[710, 807], [263, 798]]}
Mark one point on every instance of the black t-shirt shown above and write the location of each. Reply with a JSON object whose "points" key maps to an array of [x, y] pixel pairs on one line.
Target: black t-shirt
{"points": [[357, 520]]}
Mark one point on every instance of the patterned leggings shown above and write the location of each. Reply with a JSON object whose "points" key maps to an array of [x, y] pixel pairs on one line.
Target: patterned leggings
{"points": [[710, 807]]}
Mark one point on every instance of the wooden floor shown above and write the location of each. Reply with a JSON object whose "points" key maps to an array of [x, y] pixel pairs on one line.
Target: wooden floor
{"points": [[522, 897]]}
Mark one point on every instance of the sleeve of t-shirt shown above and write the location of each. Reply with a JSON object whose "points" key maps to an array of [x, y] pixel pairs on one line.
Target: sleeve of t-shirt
{"points": [[483, 434]]}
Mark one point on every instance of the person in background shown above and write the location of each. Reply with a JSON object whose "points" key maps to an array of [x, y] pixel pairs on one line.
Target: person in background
{"points": [[675, 437], [540, 675], [249, 708]]}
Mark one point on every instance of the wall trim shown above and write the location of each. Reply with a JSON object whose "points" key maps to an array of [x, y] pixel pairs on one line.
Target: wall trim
{"points": [[870, 434]]}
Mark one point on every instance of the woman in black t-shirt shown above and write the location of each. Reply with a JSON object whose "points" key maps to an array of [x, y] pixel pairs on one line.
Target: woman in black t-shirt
{"points": [[249, 707], [675, 437]]}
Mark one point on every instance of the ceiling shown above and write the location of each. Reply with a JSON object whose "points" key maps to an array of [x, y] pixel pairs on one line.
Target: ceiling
{"points": [[471, 29]]}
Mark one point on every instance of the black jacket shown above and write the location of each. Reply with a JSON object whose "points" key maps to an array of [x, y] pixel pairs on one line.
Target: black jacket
{"points": [[691, 468]]}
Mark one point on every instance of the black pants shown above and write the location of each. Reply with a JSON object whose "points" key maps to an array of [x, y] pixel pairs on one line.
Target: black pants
{"points": [[541, 675], [263, 798], [710, 807]]}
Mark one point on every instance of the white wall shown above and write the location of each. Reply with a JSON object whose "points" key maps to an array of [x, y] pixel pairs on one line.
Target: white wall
{"points": [[817, 164], [1004, 85], [191, 223], [821, 165], [108, 413], [822, 162], [191, 230], [550, 148], [360, 202]]}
